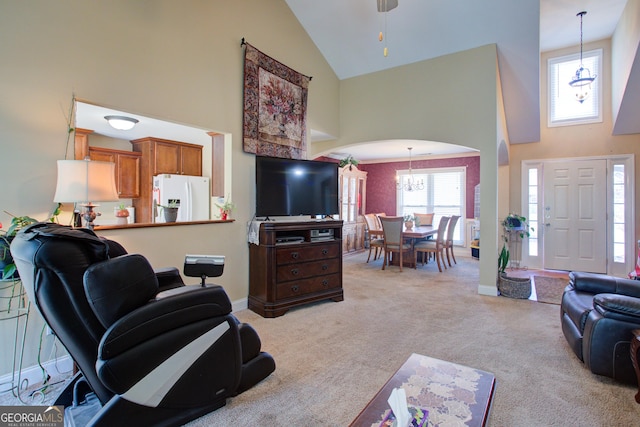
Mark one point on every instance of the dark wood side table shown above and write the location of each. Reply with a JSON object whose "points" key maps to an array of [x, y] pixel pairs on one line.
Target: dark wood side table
{"points": [[635, 357]]}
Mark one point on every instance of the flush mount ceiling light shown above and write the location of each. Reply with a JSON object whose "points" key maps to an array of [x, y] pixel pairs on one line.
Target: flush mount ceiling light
{"points": [[385, 6], [582, 80], [121, 122]]}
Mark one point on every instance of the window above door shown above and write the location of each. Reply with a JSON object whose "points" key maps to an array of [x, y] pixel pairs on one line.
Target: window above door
{"points": [[563, 107]]}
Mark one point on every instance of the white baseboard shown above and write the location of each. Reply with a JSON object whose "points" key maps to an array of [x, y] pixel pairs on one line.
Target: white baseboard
{"points": [[33, 374], [488, 290], [241, 304]]}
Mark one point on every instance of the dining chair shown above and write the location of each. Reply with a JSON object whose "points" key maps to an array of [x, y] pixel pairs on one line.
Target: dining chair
{"points": [[434, 246], [423, 219], [393, 240], [375, 240], [378, 215], [448, 244]]}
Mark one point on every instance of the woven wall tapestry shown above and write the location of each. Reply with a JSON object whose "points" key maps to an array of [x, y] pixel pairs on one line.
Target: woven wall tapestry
{"points": [[275, 107]]}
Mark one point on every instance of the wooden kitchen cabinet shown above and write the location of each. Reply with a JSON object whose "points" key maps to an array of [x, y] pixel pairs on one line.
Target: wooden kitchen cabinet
{"points": [[172, 157], [127, 169], [160, 156]]}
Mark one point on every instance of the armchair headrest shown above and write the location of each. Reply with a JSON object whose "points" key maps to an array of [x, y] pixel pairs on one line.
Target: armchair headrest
{"points": [[118, 286], [203, 266]]}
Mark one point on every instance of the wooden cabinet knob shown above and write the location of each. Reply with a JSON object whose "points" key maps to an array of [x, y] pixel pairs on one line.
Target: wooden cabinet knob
{"points": [[294, 255], [295, 288], [294, 271]]}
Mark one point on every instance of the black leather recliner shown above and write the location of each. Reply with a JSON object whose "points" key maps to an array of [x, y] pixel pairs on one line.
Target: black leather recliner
{"points": [[154, 351], [598, 313]]}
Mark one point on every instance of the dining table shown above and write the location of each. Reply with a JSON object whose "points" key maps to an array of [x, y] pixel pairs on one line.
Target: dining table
{"points": [[414, 233], [419, 232]]}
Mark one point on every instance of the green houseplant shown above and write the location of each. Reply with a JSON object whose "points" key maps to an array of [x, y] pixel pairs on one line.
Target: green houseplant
{"points": [[513, 287], [408, 221], [122, 213], [6, 260], [349, 160], [170, 211], [225, 208]]}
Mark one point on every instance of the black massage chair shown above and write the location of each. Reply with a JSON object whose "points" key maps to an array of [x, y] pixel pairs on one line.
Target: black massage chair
{"points": [[154, 351]]}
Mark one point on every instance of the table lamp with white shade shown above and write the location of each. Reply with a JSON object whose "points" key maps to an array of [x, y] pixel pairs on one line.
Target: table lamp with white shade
{"points": [[85, 182]]}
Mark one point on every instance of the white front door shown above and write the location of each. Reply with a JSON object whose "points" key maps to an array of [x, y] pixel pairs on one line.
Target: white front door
{"points": [[574, 218]]}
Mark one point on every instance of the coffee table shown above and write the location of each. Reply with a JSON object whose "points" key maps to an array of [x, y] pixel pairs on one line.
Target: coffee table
{"points": [[453, 394]]}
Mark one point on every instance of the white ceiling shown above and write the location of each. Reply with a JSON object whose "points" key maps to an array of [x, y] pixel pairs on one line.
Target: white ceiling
{"points": [[91, 116], [346, 33]]}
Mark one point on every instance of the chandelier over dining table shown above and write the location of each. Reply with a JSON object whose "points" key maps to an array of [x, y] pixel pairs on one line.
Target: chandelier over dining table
{"points": [[409, 184]]}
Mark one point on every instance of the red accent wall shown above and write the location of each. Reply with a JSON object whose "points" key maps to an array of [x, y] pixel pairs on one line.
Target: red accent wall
{"points": [[381, 180], [381, 184]]}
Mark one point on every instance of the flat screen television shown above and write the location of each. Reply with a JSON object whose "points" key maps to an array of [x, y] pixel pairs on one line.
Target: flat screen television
{"points": [[288, 187]]}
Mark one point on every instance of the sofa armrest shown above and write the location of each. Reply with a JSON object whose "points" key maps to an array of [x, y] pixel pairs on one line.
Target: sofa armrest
{"points": [[592, 283], [601, 283], [168, 278], [619, 307]]}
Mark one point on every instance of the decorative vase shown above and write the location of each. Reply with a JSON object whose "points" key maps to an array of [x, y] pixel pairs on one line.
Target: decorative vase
{"points": [[408, 225], [223, 215], [122, 216], [170, 214]]}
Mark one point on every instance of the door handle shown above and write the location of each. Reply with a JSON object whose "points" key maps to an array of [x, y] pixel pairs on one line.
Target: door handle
{"points": [[548, 224]]}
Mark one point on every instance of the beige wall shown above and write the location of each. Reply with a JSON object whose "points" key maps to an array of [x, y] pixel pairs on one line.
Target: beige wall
{"points": [[593, 139], [624, 54], [438, 100], [175, 60]]}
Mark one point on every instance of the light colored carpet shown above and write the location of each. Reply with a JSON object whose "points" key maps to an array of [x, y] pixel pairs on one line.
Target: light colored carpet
{"points": [[332, 357], [549, 289]]}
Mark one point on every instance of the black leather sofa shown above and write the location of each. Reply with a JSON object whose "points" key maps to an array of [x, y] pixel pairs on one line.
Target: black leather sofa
{"points": [[154, 351], [598, 313]]}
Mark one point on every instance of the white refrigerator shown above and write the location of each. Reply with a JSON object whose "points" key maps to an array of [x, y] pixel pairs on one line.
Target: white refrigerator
{"points": [[190, 193]]}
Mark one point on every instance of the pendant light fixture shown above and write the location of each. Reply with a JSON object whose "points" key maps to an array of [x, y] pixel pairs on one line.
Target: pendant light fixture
{"points": [[582, 80], [410, 184], [384, 6]]}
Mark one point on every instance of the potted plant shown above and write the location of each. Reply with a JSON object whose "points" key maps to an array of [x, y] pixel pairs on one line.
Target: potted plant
{"points": [[225, 209], [170, 211], [349, 160], [6, 260], [8, 269], [513, 287], [122, 214], [408, 222]]}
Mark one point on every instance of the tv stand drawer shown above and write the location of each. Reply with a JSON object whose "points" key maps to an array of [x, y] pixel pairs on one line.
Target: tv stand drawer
{"points": [[307, 269], [308, 286], [307, 253]]}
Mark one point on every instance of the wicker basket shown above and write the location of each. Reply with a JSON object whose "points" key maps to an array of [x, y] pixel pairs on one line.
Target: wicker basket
{"points": [[514, 287]]}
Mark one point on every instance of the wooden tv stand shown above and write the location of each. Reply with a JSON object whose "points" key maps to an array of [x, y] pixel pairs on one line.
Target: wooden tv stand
{"points": [[295, 263]]}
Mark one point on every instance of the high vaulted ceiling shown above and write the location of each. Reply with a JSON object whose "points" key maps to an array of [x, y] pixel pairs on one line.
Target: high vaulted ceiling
{"points": [[346, 33]]}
